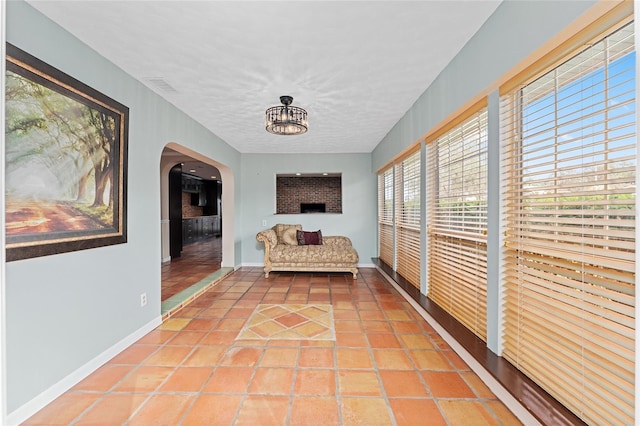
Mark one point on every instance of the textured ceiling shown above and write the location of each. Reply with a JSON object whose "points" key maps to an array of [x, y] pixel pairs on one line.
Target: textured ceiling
{"points": [[355, 66]]}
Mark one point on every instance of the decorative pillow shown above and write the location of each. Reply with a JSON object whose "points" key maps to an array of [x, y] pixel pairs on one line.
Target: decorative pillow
{"points": [[309, 238], [289, 237], [281, 227]]}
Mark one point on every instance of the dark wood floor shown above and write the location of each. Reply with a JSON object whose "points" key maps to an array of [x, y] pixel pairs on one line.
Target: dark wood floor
{"points": [[197, 260]]}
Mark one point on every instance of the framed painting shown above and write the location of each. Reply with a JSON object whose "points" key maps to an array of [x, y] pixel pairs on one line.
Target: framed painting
{"points": [[65, 162]]}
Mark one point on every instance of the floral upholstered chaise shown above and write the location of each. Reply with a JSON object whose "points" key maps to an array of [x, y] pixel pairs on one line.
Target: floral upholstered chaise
{"points": [[289, 248]]}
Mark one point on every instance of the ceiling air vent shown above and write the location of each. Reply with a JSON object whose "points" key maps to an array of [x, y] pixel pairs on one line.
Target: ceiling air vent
{"points": [[160, 84]]}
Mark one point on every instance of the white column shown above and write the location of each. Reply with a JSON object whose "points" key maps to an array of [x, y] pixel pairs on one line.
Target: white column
{"points": [[494, 239], [424, 236]]}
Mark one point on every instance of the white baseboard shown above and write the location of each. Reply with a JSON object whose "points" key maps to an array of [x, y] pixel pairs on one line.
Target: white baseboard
{"points": [[39, 402], [166, 259], [261, 265], [243, 265], [503, 395]]}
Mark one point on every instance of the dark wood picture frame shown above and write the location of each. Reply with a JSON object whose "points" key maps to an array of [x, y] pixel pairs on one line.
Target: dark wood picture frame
{"points": [[65, 162]]}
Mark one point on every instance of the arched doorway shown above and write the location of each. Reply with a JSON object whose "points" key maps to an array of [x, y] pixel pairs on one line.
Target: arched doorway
{"points": [[197, 243]]}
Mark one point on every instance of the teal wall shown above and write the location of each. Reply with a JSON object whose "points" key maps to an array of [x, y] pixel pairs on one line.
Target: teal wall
{"points": [[66, 309], [359, 200], [511, 34]]}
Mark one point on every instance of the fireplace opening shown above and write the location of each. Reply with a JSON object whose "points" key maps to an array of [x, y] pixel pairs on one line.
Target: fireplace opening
{"points": [[309, 193], [312, 208]]}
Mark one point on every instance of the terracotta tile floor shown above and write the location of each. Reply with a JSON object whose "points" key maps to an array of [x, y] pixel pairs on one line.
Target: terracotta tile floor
{"points": [[386, 366], [197, 260]]}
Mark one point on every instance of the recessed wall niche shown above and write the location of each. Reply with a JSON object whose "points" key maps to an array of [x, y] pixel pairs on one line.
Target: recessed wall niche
{"points": [[309, 193]]}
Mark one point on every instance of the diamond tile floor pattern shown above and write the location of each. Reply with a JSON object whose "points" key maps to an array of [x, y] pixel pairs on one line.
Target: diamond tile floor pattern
{"points": [[216, 362], [290, 322]]}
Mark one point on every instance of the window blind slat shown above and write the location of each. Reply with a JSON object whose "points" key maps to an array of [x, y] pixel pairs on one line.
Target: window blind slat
{"points": [[607, 234], [616, 296], [618, 281]]}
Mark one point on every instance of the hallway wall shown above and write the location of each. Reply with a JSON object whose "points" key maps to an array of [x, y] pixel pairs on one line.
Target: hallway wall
{"points": [[515, 31], [359, 212], [64, 311]]}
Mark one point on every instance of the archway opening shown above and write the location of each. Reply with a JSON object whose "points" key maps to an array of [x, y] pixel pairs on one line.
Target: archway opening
{"points": [[196, 224]]}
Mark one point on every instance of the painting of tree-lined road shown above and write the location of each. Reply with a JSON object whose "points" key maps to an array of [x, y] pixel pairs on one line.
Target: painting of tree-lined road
{"points": [[62, 161]]}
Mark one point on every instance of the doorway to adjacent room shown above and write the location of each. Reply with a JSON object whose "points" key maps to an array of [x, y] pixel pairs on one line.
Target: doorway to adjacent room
{"points": [[192, 246]]}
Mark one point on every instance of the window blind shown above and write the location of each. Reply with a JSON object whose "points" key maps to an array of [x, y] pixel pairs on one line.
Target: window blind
{"points": [[457, 178], [569, 296], [408, 218], [385, 216]]}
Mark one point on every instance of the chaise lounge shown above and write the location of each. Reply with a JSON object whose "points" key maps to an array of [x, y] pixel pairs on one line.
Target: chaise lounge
{"points": [[289, 248]]}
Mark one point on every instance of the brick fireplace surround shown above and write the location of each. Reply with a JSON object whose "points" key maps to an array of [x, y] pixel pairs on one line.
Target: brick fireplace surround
{"points": [[291, 192]]}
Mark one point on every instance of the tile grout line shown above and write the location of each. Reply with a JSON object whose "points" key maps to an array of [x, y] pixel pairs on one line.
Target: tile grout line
{"points": [[383, 391], [336, 377], [292, 387]]}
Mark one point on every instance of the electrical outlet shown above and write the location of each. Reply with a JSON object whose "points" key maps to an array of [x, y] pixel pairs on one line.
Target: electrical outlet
{"points": [[264, 222], [143, 299]]}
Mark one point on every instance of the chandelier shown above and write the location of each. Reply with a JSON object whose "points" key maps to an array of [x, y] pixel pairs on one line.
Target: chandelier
{"points": [[286, 119]]}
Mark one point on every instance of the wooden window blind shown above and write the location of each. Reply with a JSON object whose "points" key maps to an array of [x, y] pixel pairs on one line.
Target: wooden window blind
{"points": [[458, 221], [457, 216], [569, 292], [408, 218], [385, 216]]}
